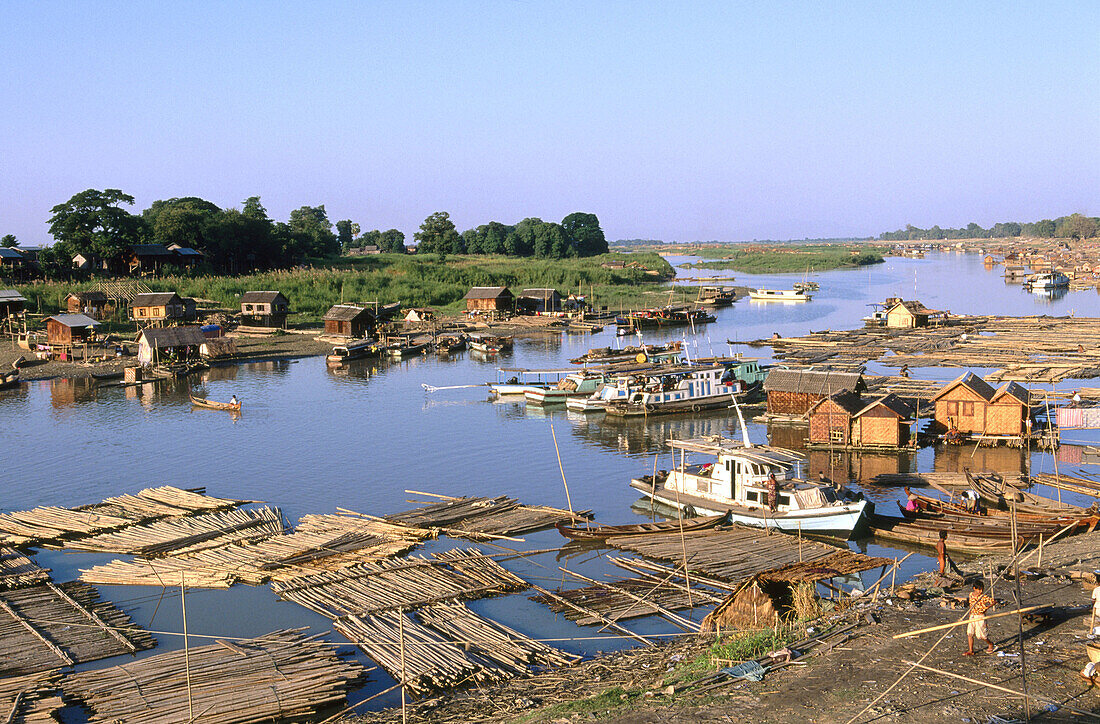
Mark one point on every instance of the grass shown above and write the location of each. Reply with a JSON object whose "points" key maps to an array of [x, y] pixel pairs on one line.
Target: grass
{"points": [[788, 258], [414, 281], [614, 700]]}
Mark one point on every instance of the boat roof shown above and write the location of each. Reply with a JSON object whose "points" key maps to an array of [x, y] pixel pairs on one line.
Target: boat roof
{"points": [[718, 445]]}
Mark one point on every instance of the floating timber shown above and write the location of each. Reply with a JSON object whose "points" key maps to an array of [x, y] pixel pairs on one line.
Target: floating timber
{"points": [[48, 626], [447, 645], [282, 676], [626, 599], [19, 571], [739, 552], [30, 699], [407, 583], [165, 501], [477, 517], [177, 536]]}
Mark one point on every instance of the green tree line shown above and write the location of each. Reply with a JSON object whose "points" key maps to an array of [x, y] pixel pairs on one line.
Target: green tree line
{"points": [[1074, 226]]}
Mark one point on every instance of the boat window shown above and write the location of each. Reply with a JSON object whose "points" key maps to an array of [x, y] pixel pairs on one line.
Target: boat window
{"points": [[752, 496], [702, 485], [784, 500]]}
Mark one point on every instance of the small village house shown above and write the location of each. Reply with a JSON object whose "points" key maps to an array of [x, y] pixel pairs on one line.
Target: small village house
{"points": [[846, 420], [66, 330], [831, 418], [11, 302], [791, 393], [147, 258], [87, 262], [908, 314], [94, 304], [184, 256], [11, 258], [169, 344], [489, 300], [538, 301], [158, 308], [349, 320], [969, 405], [264, 309]]}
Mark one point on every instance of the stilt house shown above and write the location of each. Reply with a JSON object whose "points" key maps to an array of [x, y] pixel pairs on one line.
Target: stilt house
{"points": [[971, 406], [264, 309], [68, 329]]}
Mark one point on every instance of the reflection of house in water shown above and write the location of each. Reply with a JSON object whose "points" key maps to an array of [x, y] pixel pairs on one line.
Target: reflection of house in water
{"points": [[65, 392], [843, 465], [954, 458], [637, 435], [221, 373]]}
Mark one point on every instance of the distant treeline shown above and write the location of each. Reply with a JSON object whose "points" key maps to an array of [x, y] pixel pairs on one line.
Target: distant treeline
{"points": [[1075, 226], [715, 242], [577, 235]]}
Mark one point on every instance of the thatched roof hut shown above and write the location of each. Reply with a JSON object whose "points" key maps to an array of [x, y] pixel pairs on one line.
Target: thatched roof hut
{"points": [[757, 604]]}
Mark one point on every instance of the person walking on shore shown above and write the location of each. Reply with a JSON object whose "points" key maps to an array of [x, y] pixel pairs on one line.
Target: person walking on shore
{"points": [[944, 558], [976, 628]]}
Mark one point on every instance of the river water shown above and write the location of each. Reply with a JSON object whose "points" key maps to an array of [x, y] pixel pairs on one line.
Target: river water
{"points": [[312, 439]]}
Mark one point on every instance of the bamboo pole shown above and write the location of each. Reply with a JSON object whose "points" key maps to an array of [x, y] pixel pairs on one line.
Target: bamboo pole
{"points": [[967, 620], [401, 639], [186, 651], [593, 614], [1019, 600], [557, 452], [680, 621]]}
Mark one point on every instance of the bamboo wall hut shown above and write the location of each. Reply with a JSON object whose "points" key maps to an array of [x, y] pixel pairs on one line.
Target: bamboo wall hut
{"points": [[794, 392], [1008, 411], [882, 423], [831, 418], [961, 404], [264, 309], [349, 320], [489, 299], [909, 314]]}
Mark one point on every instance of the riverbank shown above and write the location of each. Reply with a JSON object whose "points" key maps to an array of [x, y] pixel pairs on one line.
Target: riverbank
{"points": [[845, 682]]}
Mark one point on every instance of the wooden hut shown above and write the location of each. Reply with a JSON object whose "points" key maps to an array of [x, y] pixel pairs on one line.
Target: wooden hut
{"points": [[349, 320], [264, 309], [831, 418], [794, 392], [155, 308], [11, 302], [883, 422], [961, 404], [94, 304], [11, 258], [65, 330], [147, 258], [184, 256], [1008, 411], [908, 313], [489, 300], [177, 343], [538, 301]]}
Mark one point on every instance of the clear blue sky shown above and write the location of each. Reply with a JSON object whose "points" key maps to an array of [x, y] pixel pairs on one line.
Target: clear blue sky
{"points": [[676, 121]]}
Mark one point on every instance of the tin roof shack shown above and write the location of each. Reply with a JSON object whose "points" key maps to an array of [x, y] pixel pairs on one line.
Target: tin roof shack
{"points": [[349, 320], [94, 304], [963, 404], [147, 258], [184, 256], [11, 302], [175, 344], [264, 309], [11, 258], [908, 314], [538, 301], [67, 330], [159, 308], [491, 300], [791, 393]]}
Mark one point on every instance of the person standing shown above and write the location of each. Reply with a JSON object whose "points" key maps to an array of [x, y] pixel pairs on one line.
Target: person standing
{"points": [[944, 558], [773, 492], [976, 627]]}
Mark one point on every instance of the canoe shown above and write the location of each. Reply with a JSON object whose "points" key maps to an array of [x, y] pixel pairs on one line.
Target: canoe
{"points": [[603, 532], [214, 404], [997, 493]]}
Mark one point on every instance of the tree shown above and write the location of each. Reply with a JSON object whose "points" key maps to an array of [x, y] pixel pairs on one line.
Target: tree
{"points": [[584, 234], [437, 235], [185, 221], [253, 209], [392, 241], [92, 222], [1077, 226], [313, 230], [346, 231], [8, 241]]}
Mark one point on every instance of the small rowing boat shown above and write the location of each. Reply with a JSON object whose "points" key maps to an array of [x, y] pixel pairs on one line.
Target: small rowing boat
{"points": [[603, 532], [214, 404]]}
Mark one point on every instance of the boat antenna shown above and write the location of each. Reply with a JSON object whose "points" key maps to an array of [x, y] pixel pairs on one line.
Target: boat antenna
{"points": [[741, 419]]}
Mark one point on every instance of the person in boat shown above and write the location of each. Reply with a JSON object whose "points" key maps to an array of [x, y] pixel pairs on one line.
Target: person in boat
{"points": [[972, 502], [773, 492], [976, 628], [911, 506], [233, 400], [944, 558]]}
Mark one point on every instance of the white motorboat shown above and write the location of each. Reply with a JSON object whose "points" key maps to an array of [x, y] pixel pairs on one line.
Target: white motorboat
{"points": [[779, 295], [1048, 280], [575, 385], [674, 389]]}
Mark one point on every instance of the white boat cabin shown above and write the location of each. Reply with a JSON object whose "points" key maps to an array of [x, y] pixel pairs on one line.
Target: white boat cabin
{"points": [[678, 385]]}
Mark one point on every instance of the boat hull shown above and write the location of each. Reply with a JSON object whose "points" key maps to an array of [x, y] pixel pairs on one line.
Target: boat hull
{"points": [[699, 404]]}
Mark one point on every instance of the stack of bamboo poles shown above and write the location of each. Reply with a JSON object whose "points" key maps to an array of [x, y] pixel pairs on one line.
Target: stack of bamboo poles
{"points": [[178, 536], [940, 480], [161, 502], [483, 517], [625, 599], [1084, 486], [30, 699], [740, 552], [47, 626], [18, 571], [283, 676]]}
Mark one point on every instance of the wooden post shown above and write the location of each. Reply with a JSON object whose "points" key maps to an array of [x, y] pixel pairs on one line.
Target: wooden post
{"points": [[1019, 599], [186, 650], [683, 541]]}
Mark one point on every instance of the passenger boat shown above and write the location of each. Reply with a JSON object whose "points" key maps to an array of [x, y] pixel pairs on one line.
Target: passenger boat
{"points": [[349, 351], [661, 317], [675, 389], [603, 532], [402, 346], [488, 344], [598, 400], [1048, 280], [214, 404], [779, 295], [576, 384], [736, 481], [450, 343]]}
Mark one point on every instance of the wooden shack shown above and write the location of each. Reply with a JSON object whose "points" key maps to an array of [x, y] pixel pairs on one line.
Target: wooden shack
{"points": [[489, 300], [962, 404], [148, 258], [65, 330], [185, 256], [11, 302], [1008, 411], [757, 603], [883, 422], [791, 393], [94, 304], [264, 309], [909, 313], [538, 301], [349, 320], [155, 308], [11, 258], [176, 344], [831, 418]]}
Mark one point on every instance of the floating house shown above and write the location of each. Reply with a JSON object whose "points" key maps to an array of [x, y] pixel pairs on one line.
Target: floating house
{"points": [[538, 301], [264, 309], [791, 393], [65, 330], [349, 320], [94, 304], [176, 343], [908, 313], [970, 406], [489, 300], [846, 420]]}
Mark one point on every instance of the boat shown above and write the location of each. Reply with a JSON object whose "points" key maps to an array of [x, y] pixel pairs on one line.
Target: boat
{"points": [[9, 380], [716, 296], [489, 344], [656, 353], [402, 346], [877, 317], [995, 491], [736, 481], [899, 529], [603, 532], [661, 317], [518, 380], [577, 384], [214, 404], [675, 389], [598, 400], [779, 295], [806, 286], [349, 351], [1048, 280], [450, 343]]}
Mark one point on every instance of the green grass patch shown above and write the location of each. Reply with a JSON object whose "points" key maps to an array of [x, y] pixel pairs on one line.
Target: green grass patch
{"points": [[613, 701], [734, 647], [789, 258]]}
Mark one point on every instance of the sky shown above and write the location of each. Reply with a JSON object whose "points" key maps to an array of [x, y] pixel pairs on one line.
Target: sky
{"points": [[675, 121]]}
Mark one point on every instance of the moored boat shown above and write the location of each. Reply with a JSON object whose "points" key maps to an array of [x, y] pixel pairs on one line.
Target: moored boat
{"points": [[603, 532], [489, 344], [1048, 280], [715, 296], [675, 389], [358, 349], [450, 343], [779, 295], [653, 353], [214, 404], [402, 346], [660, 317], [9, 380], [576, 384]]}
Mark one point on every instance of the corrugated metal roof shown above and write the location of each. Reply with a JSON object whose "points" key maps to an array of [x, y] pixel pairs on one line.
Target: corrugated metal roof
{"points": [[539, 294], [190, 336], [346, 313], [6, 253], [155, 299], [487, 293], [74, 320], [812, 382], [150, 250], [10, 295], [184, 251], [261, 297]]}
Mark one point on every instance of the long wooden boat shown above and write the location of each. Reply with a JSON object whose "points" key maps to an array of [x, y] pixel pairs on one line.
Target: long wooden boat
{"points": [[603, 532], [950, 510], [994, 492], [353, 350], [214, 404], [898, 529], [450, 343], [488, 344], [660, 317]]}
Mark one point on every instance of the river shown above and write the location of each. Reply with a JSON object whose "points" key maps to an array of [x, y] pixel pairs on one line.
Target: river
{"points": [[311, 439]]}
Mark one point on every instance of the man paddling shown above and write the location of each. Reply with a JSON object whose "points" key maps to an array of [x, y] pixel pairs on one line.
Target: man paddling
{"points": [[976, 628]]}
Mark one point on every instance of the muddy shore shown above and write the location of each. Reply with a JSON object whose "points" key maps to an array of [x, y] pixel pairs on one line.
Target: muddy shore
{"points": [[835, 686]]}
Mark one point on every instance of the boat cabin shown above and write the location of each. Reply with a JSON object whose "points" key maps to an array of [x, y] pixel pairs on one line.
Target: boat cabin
{"points": [[264, 309], [94, 304]]}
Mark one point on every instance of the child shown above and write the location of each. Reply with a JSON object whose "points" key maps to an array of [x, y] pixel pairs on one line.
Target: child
{"points": [[976, 628]]}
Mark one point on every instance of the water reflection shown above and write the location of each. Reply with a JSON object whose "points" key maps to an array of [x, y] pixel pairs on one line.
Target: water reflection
{"points": [[957, 458], [1050, 295]]}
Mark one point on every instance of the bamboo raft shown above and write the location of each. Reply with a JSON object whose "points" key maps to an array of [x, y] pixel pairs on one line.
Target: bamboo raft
{"points": [[19, 571], [178, 536], [740, 551], [626, 599], [48, 626], [409, 583], [164, 501], [282, 676], [30, 699], [477, 517], [447, 645]]}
